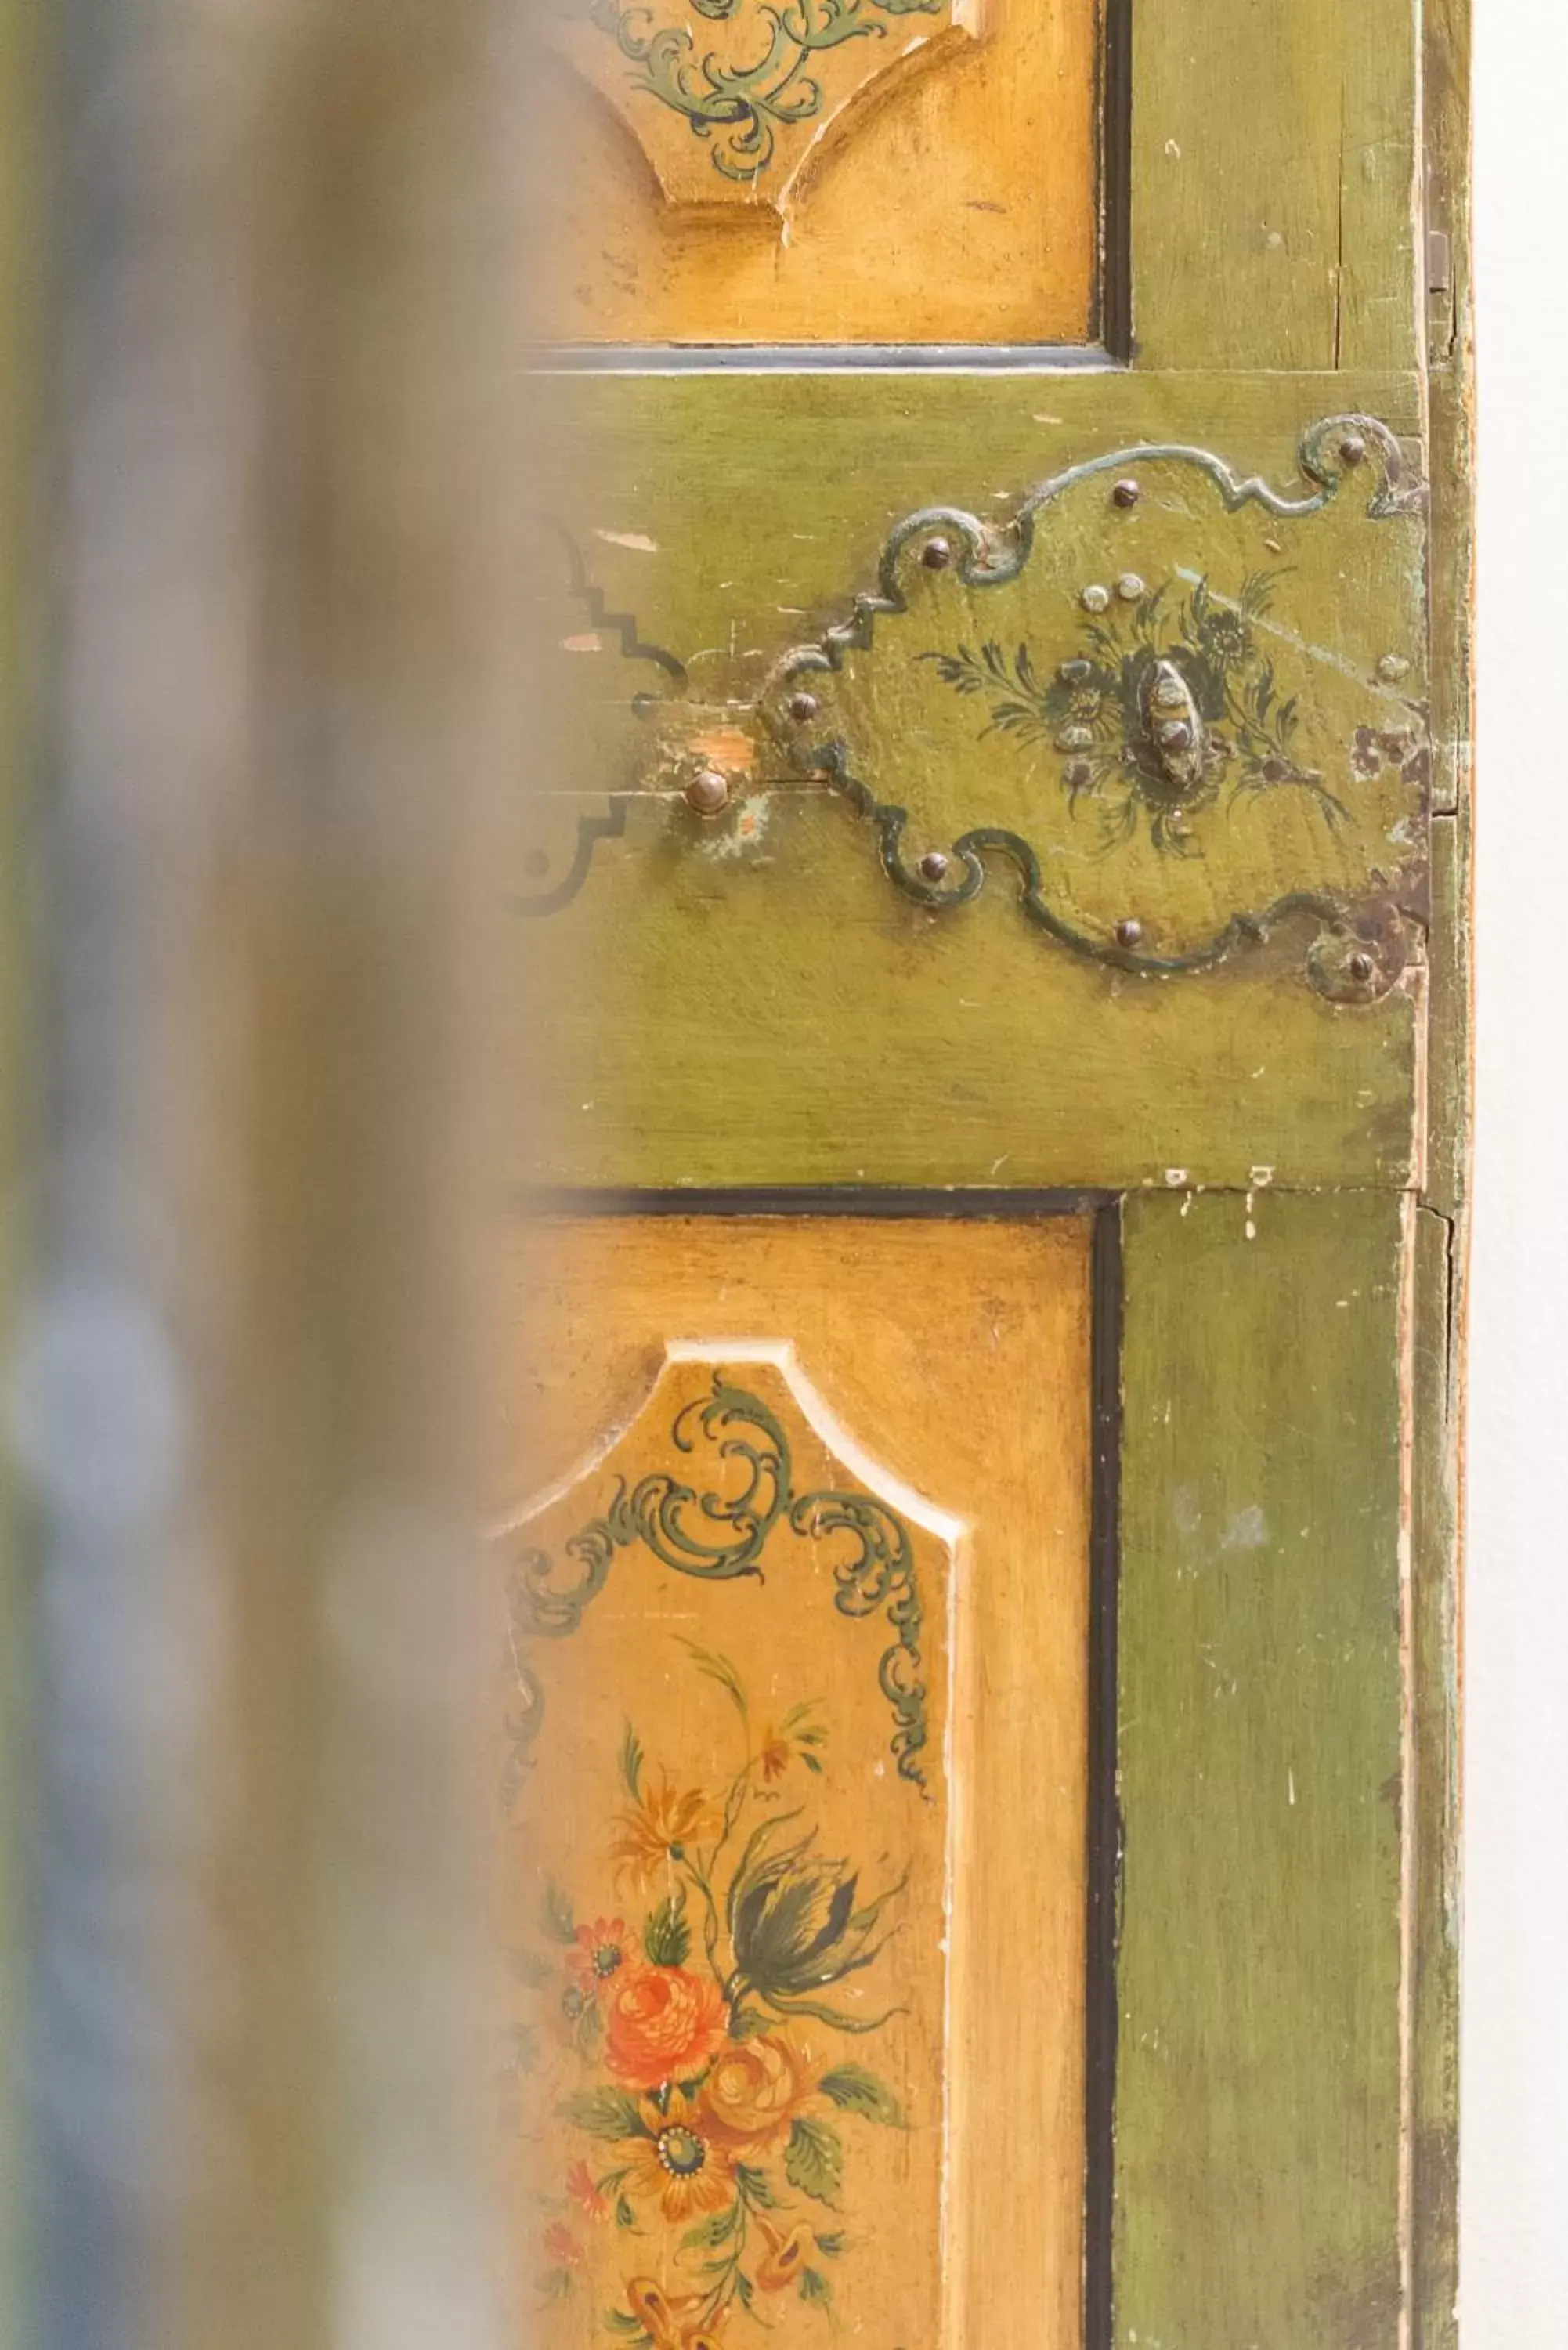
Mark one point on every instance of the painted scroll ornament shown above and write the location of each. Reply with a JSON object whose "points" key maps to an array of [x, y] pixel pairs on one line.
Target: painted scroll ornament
{"points": [[727, 1885], [728, 97]]}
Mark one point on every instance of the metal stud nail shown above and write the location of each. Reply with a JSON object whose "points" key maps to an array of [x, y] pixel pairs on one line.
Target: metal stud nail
{"points": [[1126, 494], [1392, 667], [1074, 672], [1079, 775], [536, 863], [804, 706], [708, 793], [936, 554], [1094, 598], [1176, 735], [933, 866], [1130, 586], [1352, 448], [1128, 932], [1360, 966]]}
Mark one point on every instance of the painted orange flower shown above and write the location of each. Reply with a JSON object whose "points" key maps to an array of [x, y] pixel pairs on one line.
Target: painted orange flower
{"points": [[797, 1737], [673, 2322], [651, 1834], [750, 2097], [661, 2023], [562, 2247], [600, 1952], [785, 2255], [679, 2167], [583, 2190]]}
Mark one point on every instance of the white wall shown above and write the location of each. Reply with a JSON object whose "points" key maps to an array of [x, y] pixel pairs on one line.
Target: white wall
{"points": [[1514, 2294]]}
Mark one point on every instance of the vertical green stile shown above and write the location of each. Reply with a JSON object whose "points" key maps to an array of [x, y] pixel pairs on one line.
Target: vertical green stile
{"points": [[1258, 2099]]}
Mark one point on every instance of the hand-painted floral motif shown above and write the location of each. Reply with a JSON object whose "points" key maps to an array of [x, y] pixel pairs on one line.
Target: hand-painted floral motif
{"points": [[1155, 713], [714, 2039]]}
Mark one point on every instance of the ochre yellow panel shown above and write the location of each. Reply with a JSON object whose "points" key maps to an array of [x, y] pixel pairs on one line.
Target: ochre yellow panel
{"points": [[794, 1554], [950, 195]]}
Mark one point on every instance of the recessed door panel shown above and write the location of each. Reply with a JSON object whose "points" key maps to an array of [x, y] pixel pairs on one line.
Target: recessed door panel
{"points": [[831, 172], [797, 1588]]}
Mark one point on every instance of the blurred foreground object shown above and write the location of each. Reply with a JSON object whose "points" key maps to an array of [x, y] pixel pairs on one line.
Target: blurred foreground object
{"points": [[277, 740]]}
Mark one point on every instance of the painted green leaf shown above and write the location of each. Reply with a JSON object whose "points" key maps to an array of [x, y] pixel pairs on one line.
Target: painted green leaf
{"points": [[860, 2091], [814, 2159], [556, 1915], [814, 2286], [631, 1764], [832, 2244], [665, 1933], [602, 2113], [719, 1668], [717, 2229]]}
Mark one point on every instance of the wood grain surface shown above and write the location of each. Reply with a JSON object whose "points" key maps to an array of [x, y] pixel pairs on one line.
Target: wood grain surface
{"points": [[956, 201], [1261, 2124], [952, 1358]]}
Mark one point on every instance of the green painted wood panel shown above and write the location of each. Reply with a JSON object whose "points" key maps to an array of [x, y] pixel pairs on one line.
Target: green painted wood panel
{"points": [[1437, 1397], [1274, 177], [794, 1021], [1259, 2093], [773, 1011]]}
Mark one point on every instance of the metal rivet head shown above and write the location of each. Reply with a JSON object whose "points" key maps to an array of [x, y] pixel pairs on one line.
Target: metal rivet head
{"points": [[1130, 586], [643, 706], [804, 706], [1074, 672], [1176, 735], [1392, 667], [1079, 775], [1274, 771], [1129, 932], [1360, 966], [708, 792], [1126, 494], [933, 866], [1094, 598], [536, 864], [936, 554], [1352, 448]]}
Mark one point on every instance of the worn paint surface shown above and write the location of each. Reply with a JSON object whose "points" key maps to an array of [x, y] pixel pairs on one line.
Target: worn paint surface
{"points": [[1260, 2099], [745, 1000], [1274, 185], [854, 1035], [962, 1418], [926, 173]]}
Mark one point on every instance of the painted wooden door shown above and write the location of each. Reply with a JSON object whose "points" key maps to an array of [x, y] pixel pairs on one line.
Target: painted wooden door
{"points": [[977, 1540]]}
